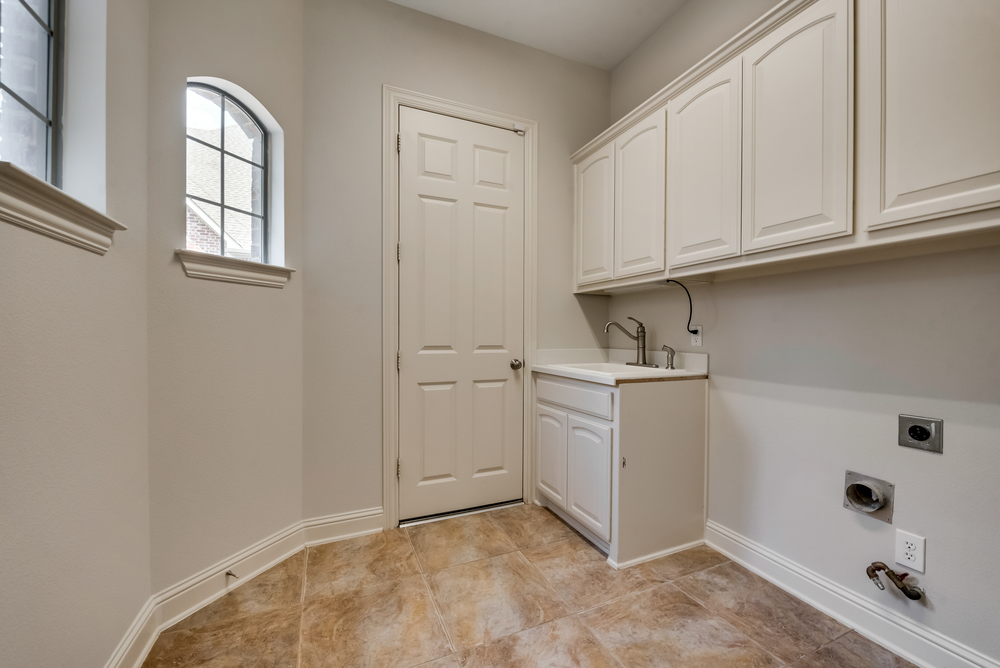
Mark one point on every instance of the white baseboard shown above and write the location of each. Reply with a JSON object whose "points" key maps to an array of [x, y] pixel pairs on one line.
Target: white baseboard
{"points": [[655, 555], [911, 640], [173, 604]]}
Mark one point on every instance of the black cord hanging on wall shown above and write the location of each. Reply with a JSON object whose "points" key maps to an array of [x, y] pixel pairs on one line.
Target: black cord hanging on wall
{"points": [[690, 305]]}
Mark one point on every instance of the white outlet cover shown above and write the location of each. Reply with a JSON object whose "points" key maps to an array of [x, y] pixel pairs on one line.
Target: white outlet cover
{"points": [[910, 549], [696, 338]]}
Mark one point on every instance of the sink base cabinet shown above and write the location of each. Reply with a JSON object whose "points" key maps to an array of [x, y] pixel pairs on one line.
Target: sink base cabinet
{"points": [[634, 484]]}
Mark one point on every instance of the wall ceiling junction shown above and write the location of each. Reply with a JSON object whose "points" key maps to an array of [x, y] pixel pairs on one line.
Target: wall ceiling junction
{"points": [[593, 32]]}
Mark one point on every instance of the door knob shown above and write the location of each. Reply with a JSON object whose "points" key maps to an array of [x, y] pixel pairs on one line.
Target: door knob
{"points": [[516, 364]]}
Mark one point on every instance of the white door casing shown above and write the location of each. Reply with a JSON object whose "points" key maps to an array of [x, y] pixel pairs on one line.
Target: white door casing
{"points": [[640, 155], [703, 168], [595, 216], [797, 130], [928, 107], [461, 233]]}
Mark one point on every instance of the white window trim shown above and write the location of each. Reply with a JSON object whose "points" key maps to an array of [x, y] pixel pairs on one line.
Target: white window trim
{"points": [[232, 269], [39, 206]]}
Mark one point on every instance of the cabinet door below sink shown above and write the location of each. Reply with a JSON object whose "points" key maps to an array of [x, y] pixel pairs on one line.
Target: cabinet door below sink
{"points": [[589, 479]]}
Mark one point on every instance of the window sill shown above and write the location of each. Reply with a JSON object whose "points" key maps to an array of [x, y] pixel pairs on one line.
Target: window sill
{"points": [[36, 205], [232, 270]]}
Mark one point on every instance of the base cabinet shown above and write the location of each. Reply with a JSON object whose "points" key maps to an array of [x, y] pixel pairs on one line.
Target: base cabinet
{"points": [[634, 483]]}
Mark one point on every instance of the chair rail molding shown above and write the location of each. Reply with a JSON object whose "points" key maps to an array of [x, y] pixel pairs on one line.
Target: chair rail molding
{"points": [[232, 270], [36, 205]]}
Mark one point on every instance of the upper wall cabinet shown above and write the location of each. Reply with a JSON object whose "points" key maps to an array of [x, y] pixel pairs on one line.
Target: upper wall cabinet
{"points": [[703, 169], [928, 109], [639, 186], [797, 130], [595, 216], [619, 205]]}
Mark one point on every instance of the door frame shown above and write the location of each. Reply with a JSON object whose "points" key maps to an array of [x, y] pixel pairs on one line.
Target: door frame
{"points": [[392, 99]]}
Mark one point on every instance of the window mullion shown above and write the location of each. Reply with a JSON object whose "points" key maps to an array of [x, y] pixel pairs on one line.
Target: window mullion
{"points": [[222, 175]]}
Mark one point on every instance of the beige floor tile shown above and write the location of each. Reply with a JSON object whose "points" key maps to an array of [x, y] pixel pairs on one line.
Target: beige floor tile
{"points": [[563, 642], [663, 627], [529, 525], [348, 564], [852, 650], [444, 662], [580, 573], [680, 564], [390, 623], [779, 622], [483, 600], [458, 540], [278, 587], [263, 640]]}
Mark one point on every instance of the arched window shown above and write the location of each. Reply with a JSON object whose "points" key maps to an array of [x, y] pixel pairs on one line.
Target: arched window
{"points": [[227, 176]]}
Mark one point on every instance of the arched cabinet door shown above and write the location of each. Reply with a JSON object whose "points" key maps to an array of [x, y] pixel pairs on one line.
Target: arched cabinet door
{"points": [[928, 101], [550, 452], [797, 130], [703, 169], [595, 216], [640, 161], [589, 488]]}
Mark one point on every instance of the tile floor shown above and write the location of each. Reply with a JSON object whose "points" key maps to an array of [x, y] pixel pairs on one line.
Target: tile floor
{"points": [[511, 587]]}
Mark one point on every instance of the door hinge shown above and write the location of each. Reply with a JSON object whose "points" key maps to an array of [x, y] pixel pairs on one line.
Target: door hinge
{"points": [[398, 362], [399, 142], [399, 252], [397, 467]]}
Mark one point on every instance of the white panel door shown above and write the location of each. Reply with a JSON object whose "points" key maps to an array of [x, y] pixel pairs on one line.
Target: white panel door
{"points": [[595, 216], [551, 437], [928, 109], [589, 479], [639, 194], [703, 169], [461, 231], [797, 130]]}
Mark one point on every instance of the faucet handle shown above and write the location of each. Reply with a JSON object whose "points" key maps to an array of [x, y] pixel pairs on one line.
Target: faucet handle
{"points": [[634, 320]]}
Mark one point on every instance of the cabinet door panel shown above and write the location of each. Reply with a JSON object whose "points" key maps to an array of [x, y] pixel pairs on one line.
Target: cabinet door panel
{"points": [[639, 195], [595, 216], [928, 108], [703, 169], [797, 130], [589, 483], [550, 440]]}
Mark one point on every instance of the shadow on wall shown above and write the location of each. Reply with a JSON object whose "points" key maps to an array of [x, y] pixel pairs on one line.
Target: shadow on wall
{"points": [[924, 326]]}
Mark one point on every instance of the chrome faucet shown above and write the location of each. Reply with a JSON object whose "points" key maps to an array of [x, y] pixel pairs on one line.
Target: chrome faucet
{"points": [[670, 357], [640, 341]]}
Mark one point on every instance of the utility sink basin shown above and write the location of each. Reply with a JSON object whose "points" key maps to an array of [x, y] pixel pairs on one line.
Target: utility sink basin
{"points": [[613, 373]]}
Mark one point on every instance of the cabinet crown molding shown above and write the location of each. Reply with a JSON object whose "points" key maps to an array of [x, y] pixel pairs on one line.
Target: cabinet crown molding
{"points": [[755, 31]]}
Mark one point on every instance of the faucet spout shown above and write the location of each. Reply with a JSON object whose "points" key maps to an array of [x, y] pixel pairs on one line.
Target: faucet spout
{"points": [[618, 325]]}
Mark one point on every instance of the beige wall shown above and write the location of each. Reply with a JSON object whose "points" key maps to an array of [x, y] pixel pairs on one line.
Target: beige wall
{"points": [[808, 374], [74, 514], [695, 30], [353, 47], [225, 360]]}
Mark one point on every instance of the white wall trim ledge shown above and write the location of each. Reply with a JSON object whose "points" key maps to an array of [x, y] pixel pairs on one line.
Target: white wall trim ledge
{"points": [[912, 640], [232, 270], [31, 203], [173, 604]]}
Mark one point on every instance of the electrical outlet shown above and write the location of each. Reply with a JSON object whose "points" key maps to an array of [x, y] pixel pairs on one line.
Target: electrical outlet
{"points": [[696, 338], [910, 550]]}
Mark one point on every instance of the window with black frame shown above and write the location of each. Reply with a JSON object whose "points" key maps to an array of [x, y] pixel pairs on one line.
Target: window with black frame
{"points": [[31, 85], [226, 176]]}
